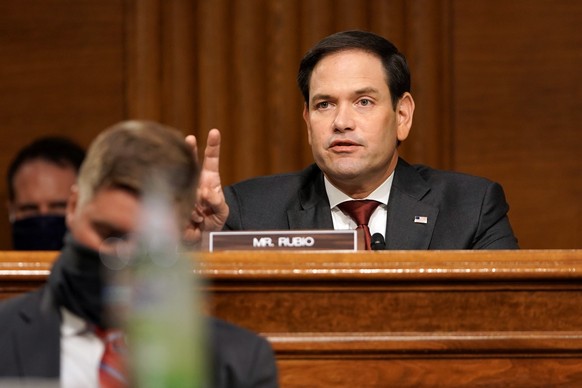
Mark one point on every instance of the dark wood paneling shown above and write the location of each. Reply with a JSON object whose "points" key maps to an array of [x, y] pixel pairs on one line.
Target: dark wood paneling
{"points": [[517, 97], [496, 84], [61, 72], [249, 102], [284, 127], [180, 66], [428, 52], [214, 78], [247, 70], [143, 51]]}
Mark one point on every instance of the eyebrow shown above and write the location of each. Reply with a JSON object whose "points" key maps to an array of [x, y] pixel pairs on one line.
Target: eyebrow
{"points": [[359, 92], [368, 90], [320, 97], [28, 206]]}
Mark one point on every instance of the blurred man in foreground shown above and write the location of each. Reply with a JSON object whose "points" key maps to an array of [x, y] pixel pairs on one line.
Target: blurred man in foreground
{"points": [[54, 332]]}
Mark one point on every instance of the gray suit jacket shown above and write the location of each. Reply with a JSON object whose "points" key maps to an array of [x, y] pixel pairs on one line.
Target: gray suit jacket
{"points": [[30, 346], [462, 211]]}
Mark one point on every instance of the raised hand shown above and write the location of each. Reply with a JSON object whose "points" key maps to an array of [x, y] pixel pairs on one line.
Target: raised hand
{"points": [[210, 210]]}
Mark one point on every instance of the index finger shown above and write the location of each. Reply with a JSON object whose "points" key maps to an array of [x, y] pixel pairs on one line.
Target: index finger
{"points": [[212, 151]]}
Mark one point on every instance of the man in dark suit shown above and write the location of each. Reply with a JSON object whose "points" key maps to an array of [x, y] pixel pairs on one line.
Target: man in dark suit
{"points": [[358, 109], [52, 333], [462, 212]]}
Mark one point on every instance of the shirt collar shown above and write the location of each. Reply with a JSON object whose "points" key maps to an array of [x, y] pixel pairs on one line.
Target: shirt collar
{"points": [[336, 196], [71, 324]]}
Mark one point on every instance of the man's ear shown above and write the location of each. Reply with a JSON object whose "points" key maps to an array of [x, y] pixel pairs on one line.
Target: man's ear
{"points": [[72, 204], [306, 119], [404, 113]]}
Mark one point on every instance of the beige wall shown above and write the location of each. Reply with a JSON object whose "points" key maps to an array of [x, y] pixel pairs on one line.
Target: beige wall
{"points": [[497, 85]]}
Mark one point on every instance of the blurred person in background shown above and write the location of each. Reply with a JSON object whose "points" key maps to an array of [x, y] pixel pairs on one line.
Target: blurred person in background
{"points": [[39, 182]]}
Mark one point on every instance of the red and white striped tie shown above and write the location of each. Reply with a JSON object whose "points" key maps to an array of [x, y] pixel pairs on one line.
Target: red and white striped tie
{"points": [[112, 369]]}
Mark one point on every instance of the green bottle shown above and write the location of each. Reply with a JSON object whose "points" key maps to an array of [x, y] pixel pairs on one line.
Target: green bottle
{"points": [[165, 324]]}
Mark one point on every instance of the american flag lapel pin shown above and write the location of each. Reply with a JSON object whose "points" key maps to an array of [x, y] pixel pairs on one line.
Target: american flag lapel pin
{"points": [[420, 219]]}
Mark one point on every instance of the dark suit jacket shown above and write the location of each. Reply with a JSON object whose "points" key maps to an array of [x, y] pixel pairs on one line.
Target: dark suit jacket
{"points": [[30, 346], [463, 211]]}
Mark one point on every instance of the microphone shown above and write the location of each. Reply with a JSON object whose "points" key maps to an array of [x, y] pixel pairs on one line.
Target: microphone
{"points": [[378, 243]]}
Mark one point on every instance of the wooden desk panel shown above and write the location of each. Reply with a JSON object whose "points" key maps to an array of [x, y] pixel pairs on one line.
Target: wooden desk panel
{"points": [[499, 372], [502, 359], [442, 318], [23, 271], [398, 291]]}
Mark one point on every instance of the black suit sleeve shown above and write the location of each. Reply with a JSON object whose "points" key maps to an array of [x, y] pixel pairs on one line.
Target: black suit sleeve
{"points": [[29, 338], [233, 222], [493, 229], [242, 359]]}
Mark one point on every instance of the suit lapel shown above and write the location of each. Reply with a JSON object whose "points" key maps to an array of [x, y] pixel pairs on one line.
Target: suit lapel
{"points": [[37, 337], [314, 212], [402, 231]]}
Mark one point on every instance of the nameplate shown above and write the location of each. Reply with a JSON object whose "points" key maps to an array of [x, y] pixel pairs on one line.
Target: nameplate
{"points": [[346, 240]]}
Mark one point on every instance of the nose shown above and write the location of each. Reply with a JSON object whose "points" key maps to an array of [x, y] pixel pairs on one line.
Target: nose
{"points": [[43, 209], [344, 120]]}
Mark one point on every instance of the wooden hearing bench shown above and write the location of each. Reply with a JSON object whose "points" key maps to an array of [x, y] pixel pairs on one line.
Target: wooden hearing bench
{"points": [[394, 318]]}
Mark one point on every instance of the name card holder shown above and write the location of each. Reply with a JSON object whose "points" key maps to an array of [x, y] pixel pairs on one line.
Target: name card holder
{"points": [[322, 240]]}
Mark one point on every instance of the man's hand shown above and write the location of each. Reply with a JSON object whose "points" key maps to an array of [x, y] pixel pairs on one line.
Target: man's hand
{"points": [[210, 210]]}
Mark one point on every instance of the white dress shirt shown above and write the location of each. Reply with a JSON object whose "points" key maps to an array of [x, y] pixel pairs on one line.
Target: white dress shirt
{"points": [[341, 221], [81, 352]]}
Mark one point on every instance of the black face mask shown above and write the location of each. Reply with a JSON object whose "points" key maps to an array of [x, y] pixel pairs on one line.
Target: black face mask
{"points": [[41, 233], [78, 282]]}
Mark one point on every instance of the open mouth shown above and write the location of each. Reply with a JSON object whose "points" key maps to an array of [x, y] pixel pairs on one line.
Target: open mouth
{"points": [[343, 146]]}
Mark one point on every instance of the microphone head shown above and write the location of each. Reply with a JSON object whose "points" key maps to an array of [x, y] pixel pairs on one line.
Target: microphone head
{"points": [[377, 242]]}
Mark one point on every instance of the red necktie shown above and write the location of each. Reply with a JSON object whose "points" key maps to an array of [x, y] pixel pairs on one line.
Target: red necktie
{"points": [[112, 370], [360, 211]]}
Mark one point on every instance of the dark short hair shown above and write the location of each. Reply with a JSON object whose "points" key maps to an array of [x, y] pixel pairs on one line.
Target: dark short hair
{"points": [[54, 149], [395, 66]]}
